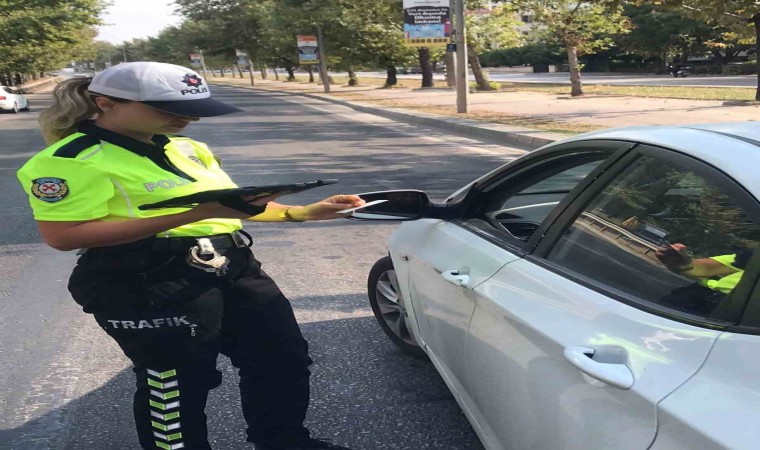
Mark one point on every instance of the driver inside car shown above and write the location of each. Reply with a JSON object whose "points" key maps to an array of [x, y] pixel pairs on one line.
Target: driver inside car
{"points": [[720, 273]]}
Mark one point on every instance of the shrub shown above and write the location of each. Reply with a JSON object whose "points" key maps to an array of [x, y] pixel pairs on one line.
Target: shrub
{"points": [[745, 68], [527, 55]]}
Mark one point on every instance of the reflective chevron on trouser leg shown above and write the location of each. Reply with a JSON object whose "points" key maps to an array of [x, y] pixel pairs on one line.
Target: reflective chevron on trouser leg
{"points": [[164, 409]]}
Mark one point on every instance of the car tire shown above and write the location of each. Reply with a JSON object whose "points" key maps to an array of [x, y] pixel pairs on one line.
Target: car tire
{"points": [[388, 307], [27, 108]]}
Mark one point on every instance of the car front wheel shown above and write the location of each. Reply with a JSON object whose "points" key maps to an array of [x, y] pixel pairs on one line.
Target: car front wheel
{"points": [[388, 306]]}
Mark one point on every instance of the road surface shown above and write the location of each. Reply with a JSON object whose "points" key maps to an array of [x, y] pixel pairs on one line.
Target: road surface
{"points": [[66, 386]]}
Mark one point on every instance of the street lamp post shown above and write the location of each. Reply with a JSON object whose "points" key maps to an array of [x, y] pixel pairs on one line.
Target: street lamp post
{"points": [[461, 44], [322, 60], [203, 65]]}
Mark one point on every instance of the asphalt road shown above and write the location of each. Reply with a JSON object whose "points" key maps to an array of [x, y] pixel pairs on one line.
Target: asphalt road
{"points": [[746, 81], [65, 385]]}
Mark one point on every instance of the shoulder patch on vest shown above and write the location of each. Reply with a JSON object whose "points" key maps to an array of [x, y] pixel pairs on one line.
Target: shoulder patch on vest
{"points": [[76, 146]]}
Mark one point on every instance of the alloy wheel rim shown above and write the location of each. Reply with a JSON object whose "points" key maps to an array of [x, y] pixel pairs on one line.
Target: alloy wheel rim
{"points": [[391, 306]]}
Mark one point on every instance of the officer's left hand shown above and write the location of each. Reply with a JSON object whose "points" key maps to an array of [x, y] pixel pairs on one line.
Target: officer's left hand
{"points": [[327, 208]]}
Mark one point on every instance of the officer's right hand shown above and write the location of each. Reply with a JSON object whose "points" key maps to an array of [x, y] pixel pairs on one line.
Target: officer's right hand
{"points": [[215, 210], [674, 256]]}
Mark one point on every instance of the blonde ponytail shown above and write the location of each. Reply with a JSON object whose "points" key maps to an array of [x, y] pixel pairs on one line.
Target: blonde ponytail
{"points": [[72, 104]]}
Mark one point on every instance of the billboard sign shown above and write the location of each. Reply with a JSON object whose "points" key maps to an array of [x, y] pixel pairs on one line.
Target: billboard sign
{"points": [[308, 51], [242, 58], [427, 23], [195, 60]]}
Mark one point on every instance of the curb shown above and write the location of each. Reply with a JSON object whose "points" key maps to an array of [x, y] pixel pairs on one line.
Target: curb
{"points": [[502, 134], [742, 103]]}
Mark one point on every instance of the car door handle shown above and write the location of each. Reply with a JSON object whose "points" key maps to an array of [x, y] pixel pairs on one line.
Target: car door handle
{"points": [[614, 374], [456, 278]]}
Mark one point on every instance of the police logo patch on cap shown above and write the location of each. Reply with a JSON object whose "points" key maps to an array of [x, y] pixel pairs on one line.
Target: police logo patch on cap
{"points": [[50, 189], [192, 80]]}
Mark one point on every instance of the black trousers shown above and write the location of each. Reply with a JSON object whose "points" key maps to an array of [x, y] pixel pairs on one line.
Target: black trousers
{"points": [[173, 320]]}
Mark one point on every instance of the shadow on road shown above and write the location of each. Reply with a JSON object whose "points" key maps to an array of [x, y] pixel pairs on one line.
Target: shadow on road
{"points": [[365, 394]]}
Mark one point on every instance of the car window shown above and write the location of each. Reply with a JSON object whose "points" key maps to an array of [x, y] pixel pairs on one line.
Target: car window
{"points": [[520, 206], [663, 234]]}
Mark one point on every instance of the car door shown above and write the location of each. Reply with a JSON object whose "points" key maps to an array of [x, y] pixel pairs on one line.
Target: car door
{"points": [[573, 346], [445, 261], [718, 407]]}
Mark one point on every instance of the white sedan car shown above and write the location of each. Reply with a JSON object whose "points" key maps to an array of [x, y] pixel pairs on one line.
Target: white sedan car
{"points": [[12, 100], [602, 292]]}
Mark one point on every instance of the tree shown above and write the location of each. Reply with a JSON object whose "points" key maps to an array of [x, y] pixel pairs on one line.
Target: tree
{"points": [[662, 33], [487, 29], [38, 35], [582, 26], [218, 27], [738, 16]]}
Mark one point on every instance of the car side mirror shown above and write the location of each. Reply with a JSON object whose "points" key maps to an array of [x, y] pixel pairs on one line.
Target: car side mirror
{"points": [[393, 205]]}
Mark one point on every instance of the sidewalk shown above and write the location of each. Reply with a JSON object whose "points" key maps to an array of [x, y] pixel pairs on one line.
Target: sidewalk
{"points": [[535, 110]]}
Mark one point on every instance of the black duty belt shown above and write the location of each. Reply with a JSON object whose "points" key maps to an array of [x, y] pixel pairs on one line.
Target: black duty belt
{"points": [[237, 239]]}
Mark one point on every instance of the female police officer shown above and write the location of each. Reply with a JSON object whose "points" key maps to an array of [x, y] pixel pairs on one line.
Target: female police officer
{"points": [[173, 287]]}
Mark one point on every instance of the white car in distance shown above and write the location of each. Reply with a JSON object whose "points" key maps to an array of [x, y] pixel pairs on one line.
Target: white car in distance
{"points": [[600, 293], [12, 99]]}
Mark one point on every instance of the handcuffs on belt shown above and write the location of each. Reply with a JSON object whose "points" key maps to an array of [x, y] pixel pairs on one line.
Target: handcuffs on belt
{"points": [[205, 257]]}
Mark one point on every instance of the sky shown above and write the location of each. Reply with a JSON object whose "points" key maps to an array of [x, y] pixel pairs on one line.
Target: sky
{"points": [[129, 19]]}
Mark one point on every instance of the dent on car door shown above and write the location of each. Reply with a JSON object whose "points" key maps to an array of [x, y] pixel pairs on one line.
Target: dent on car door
{"points": [[577, 344]]}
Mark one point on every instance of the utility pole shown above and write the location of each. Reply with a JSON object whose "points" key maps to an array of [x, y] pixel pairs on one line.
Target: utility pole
{"points": [[203, 65], [322, 60], [461, 43], [124, 51]]}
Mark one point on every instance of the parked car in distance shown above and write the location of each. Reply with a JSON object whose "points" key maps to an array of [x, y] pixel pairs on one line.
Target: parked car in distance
{"points": [[414, 70], [13, 100], [602, 292]]}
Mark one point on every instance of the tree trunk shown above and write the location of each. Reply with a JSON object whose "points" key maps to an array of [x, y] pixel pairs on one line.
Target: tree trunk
{"points": [[663, 69], [451, 68], [310, 69], [576, 88], [481, 77], [427, 71], [291, 75], [352, 80], [263, 72], [221, 72], [756, 19], [390, 76], [276, 75], [240, 71], [722, 60]]}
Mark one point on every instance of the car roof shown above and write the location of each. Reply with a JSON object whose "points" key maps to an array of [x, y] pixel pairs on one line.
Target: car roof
{"points": [[732, 147]]}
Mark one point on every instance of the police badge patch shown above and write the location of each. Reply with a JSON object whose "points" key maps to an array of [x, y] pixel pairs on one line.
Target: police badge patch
{"points": [[50, 189]]}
